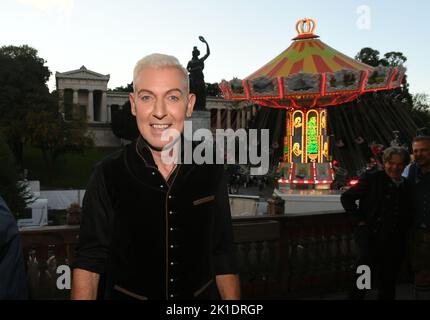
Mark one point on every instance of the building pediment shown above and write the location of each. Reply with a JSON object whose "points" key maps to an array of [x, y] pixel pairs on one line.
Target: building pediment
{"points": [[82, 73]]}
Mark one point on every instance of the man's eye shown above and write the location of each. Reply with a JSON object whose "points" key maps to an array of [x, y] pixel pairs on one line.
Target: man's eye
{"points": [[173, 98], [145, 98]]}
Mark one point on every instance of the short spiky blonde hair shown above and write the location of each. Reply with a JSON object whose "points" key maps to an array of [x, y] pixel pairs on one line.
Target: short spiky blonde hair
{"points": [[159, 61]]}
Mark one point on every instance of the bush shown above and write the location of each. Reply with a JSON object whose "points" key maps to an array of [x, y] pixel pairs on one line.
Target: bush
{"points": [[12, 191]]}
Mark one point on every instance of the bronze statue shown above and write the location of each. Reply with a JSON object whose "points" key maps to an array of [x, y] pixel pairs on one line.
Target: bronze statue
{"points": [[197, 80]]}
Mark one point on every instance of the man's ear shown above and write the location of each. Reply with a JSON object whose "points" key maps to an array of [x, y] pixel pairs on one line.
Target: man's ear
{"points": [[191, 103], [132, 103]]}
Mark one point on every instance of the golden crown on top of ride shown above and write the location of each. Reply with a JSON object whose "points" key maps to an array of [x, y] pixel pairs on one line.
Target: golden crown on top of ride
{"points": [[305, 29]]}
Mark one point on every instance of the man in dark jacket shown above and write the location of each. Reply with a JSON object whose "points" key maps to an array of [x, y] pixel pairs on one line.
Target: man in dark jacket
{"points": [[383, 218], [153, 229], [13, 282], [419, 175]]}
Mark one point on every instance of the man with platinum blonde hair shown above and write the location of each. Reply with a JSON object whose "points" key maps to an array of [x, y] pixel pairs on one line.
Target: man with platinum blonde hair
{"points": [[150, 229]]}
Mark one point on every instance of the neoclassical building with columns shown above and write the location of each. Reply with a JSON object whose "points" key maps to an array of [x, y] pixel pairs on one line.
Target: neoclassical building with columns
{"points": [[86, 92]]}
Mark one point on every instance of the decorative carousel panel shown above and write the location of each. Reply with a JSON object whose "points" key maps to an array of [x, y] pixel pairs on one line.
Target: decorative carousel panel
{"points": [[284, 171], [324, 172], [302, 83], [289, 123], [237, 89], [326, 148], [343, 80], [303, 172], [296, 150], [298, 123], [312, 134], [287, 138], [264, 87], [296, 144], [287, 157], [378, 78], [398, 77], [323, 122]]}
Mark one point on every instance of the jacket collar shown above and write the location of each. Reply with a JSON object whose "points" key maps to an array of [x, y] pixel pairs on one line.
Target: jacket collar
{"points": [[143, 149]]}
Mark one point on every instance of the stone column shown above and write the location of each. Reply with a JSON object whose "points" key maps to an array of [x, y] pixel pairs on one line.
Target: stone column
{"points": [[103, 107], [249, 116], [109, 114], [61, 102], [238, 120], [75, 97], [90, 108], [228, 119], [244, 123], [218, 118]]}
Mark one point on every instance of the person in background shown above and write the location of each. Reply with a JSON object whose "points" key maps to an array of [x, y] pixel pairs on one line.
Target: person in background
{"points": [[418, 173], [383, 218], [13, 281]]}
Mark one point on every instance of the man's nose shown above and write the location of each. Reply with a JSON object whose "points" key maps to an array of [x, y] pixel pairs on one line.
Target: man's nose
{"points": [[159, 109]]}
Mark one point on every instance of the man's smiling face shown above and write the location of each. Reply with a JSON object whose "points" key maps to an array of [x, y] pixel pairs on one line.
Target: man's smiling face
{"points": [[161, 101], [421, 151]]}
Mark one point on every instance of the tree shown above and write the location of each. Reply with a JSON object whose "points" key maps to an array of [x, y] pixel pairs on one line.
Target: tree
{"points": [[54, 136], [420, 110], [394, 59], [29, 113], [124, 124], [127, 88], [418, 105], [14, 192], [369, 56], [372, 58], [212, 90], [23, 88]]}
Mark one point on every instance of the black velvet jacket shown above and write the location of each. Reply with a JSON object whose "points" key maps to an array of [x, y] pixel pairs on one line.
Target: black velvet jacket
{"points": [[154, 239]]}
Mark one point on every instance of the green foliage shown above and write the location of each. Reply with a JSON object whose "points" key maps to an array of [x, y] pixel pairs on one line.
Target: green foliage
{"points": [[23, 88], [70, 171], [418, 105], [55, 137], [11, 190], [29, 113], [394, 59], [368, 56], [372, 58], [127, 88], [420, 110], [124, 125], [212, 90]]}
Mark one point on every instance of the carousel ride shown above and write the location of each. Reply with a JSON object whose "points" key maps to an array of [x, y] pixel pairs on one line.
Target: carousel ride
{"points": [[307, 79]]}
